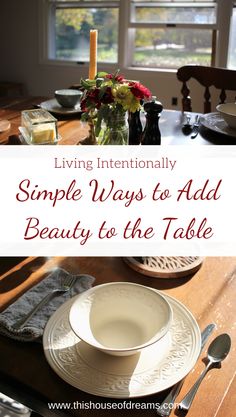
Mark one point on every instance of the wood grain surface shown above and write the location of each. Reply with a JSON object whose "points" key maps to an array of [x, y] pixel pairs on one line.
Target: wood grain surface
{"points": [[209, 294]]}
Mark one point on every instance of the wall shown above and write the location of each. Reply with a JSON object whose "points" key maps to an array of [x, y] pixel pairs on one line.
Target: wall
{"points": [[20, 59]]}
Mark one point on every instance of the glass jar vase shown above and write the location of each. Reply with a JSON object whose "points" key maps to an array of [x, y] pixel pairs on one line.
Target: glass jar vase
{"points": [[115, 131]]}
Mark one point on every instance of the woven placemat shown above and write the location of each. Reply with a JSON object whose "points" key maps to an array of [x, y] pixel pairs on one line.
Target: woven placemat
{"points": [[165, 266]]}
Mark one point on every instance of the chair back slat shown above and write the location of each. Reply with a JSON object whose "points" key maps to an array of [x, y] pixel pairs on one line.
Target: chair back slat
{"points": [[222, 96], [186, 100], [207, 102], [220, 78]]}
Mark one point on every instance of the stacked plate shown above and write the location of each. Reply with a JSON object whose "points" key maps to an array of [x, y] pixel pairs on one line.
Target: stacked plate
{"points": [[216, 123], [54, 107], [156, 366]]}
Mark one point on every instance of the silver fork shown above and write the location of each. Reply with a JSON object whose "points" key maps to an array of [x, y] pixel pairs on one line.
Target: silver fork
{"points": [[195, 130], [66, 285]]}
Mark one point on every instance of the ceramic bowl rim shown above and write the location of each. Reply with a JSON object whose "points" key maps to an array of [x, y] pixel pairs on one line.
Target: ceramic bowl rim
{"points": [[220, 108], [74, 92], [159, 335]]}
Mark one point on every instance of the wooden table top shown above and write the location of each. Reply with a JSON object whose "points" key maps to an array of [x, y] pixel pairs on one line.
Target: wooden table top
{"points": [[72, 131], [209, 294]]}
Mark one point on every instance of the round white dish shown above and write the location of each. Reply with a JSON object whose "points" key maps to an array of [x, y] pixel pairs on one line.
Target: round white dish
{"points": [[228, 112], [215, 122], [157, 368], [138, 317], [53, 106], [4, 125]]}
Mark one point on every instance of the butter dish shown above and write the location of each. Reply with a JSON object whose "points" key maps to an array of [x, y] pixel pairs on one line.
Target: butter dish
{"points": [[38, 127]]}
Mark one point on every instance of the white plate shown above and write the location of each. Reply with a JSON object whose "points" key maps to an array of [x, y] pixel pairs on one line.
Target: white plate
{"points": [[157, 368], [53, 106], [215, 122]]}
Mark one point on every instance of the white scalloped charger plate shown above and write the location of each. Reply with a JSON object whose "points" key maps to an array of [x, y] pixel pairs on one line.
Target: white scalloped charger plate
{"points": [[215, 122], [157, 368]]}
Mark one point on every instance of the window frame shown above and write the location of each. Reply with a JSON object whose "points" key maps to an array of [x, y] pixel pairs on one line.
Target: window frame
{"points": [[126, 32]]}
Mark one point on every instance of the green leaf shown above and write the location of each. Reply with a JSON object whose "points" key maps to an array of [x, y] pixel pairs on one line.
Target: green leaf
{"points": [[99, 82], [87, 84], [101, 74], [98, 123], [84, 117], [98, 128], [102, 91], [116, 73]]}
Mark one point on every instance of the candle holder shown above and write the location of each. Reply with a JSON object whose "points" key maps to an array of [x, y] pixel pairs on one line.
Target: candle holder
{"points": [[91, 138]]}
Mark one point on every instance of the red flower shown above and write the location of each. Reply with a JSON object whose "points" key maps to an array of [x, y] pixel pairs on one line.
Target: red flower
{"points": [[107, 97], [139, 90], [83, 105], [118, 78], [93, 95], [92, 98]]}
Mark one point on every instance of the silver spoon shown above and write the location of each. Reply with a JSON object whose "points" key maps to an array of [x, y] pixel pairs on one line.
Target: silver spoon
{"points": [[187, 127], [167, 404], [188, 121], [195, 129], [217, 352]]}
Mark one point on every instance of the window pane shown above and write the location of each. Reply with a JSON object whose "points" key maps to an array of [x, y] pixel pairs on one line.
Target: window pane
{"points": [[172, 48], [168, 1], [232, 42], [200, 15], [72, 33], [171, 1], [82, 1]]}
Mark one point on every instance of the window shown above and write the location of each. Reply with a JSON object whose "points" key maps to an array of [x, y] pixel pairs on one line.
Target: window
{"points": [[72, 23], [142, 34], [169, 34]]}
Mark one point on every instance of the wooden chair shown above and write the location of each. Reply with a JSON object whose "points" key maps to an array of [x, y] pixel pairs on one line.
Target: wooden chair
{"points": [[11, 89], [220, 78]]}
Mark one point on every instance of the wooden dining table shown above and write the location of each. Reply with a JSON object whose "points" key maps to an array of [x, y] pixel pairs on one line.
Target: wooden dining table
{"points": [[72, 130], [209, 294]]}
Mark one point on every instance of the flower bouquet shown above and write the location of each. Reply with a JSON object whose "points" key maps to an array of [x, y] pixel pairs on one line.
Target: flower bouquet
{"points": [[105, 103]]}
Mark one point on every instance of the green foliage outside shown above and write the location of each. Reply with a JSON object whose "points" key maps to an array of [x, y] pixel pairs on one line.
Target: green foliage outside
{"points": [[170, 58], [169, 48], [72, 33]]}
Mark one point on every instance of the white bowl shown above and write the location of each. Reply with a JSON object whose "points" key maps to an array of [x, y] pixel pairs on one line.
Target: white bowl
{"points": [[228, 112], [120, 318], [68, 98]]}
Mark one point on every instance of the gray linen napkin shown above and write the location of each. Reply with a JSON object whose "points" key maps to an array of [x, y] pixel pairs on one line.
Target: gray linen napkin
{"points": [[33, 330]]}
